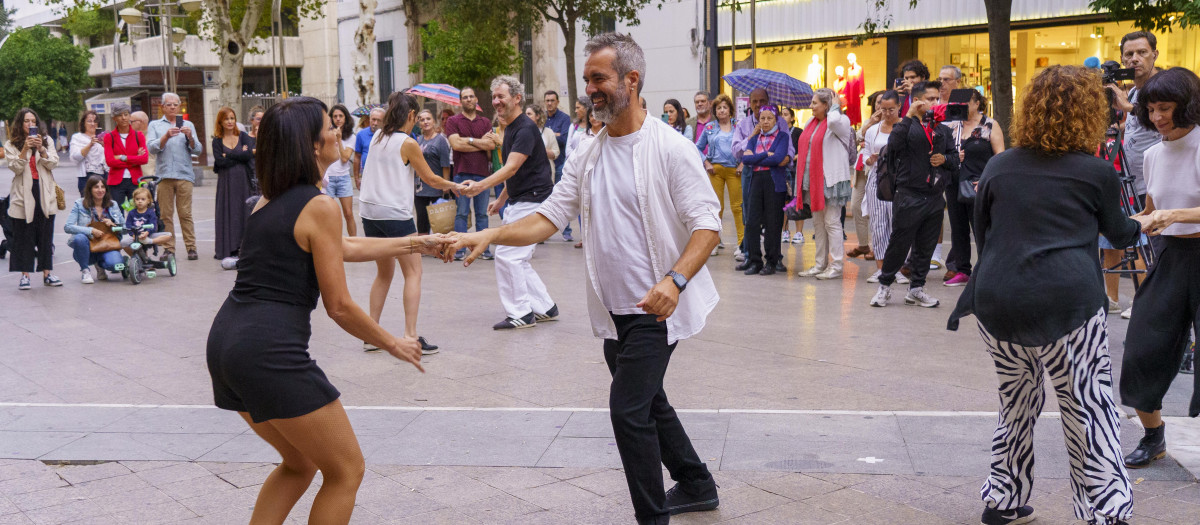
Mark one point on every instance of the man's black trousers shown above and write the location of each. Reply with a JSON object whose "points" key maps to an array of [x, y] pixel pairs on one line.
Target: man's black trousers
{"points": [[916, 223]]}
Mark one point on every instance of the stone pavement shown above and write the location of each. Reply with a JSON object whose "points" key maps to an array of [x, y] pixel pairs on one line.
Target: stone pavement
{"points": [[794, 393]]}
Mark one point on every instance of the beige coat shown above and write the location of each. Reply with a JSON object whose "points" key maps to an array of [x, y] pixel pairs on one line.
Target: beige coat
{"points": [[22, 184]]}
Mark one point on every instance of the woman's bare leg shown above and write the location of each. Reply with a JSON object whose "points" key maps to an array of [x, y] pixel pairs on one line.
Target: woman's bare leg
{"points": [[410, 266], [1112, 281], [1150, 419], [386, 270], [286, 483], [348, 214]]}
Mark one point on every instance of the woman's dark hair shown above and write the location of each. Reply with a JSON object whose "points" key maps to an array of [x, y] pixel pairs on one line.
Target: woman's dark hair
{"points": [[83, 120], [890, 94], [680, 124], [587, 104], [17, 133], [1177, 85], [400, 104], [287, 136], [978, 98], [347, 120], [89, 201], [917, 67]]}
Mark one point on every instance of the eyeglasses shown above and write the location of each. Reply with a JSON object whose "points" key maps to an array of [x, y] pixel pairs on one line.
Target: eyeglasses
{"points": [[947, 79], [889, 111]]}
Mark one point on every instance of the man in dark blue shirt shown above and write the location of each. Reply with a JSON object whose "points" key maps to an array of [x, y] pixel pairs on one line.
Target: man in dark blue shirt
{"points": [[560, 122]]}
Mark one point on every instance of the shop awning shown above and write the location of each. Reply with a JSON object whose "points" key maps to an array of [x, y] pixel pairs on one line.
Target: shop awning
{"points": [[103, 102]]}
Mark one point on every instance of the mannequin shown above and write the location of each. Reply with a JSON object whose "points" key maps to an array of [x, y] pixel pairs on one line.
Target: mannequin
{"points": [[816, 73], [839, 85], [855, 89]]}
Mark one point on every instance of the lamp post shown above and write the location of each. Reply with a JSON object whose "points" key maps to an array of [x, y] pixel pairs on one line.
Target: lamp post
{"points": [[170, 35]]}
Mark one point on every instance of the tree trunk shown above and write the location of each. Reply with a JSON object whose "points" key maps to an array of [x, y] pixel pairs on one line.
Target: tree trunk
{"points": [[412, 24], [568, 27], [364, 53], [230, 74], [999, 13]]}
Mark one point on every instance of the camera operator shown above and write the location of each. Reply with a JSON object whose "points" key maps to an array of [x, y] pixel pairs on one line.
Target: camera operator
{"points": [[1157, 336], [923, 159], [1139, 50]]}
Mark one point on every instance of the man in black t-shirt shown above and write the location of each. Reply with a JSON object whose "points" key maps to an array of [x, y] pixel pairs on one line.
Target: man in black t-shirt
{"points": [[528, 178]]}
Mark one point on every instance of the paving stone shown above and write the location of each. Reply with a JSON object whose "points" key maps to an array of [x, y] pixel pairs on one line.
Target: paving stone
{"points": [[498, 509], [132, 500], [511, 480], [604, 483], [169, 512], [247, 477], [554, 495], [460, 492], [796, 486], [67, 512], [76, 474], [32, 445], [190, 488], [795, 513]]}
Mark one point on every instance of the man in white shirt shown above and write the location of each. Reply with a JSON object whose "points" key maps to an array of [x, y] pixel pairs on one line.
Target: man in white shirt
{"points": [[656, 222]]}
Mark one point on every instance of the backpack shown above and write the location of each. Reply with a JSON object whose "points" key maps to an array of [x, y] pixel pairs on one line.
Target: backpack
{"points": [[885, 180]]}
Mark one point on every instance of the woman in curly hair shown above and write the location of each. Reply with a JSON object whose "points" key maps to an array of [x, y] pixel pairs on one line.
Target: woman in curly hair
{"points": [[1038, 295]]}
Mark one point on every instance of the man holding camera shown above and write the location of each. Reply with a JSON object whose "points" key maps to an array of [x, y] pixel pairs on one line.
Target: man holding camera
{"points": [[923, 159], [172, 142], [1139, 50]]}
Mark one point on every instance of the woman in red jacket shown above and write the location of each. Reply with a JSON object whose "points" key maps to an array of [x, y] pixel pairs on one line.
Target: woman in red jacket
{"points": [[125, 152]]}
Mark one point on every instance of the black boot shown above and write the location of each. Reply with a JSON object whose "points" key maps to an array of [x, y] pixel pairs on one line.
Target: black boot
{"points": [[1153, 446]]}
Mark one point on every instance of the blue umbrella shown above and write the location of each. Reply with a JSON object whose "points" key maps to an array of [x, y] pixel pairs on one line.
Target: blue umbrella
{"points": [[783, 89]]}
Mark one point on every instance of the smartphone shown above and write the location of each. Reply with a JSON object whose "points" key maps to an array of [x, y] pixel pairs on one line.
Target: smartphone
{"points": [[665, 118], [179, 121], [99, 131], [33, 131], [898, 83]]}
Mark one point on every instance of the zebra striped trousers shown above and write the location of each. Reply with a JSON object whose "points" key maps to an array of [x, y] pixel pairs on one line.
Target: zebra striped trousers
{"points": [[1080, 372], [879, 215]]}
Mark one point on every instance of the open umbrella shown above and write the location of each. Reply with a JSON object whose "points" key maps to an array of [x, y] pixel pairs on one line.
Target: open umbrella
{"points": [[366, 110], [782, 89], [439, 92]]}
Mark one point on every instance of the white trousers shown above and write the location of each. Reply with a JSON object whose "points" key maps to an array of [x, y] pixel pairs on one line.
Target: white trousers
{"points": [[830, 244], [521, 290]]}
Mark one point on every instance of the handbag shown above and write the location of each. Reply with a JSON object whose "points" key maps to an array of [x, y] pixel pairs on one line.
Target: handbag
{"points": [[441, 216], [60, 197], [966, 190], [107, 242], [794, 212]]}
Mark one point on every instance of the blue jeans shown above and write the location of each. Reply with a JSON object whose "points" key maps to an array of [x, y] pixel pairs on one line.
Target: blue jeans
{"points": [[557, 177], [83, 255], [464, 206], [746, 199]]}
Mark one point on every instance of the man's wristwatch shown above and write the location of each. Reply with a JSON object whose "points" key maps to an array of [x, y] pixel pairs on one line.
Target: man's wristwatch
{"points": [[680, 281], [471, 140]]}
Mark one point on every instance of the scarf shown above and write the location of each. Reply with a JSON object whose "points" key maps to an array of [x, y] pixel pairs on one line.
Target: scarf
{"points": [[765, 141], [814, 134]]}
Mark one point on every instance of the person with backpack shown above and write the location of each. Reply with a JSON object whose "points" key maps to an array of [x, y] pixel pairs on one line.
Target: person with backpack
{"points": [[879, 211], [823, 163], [922, 159]]}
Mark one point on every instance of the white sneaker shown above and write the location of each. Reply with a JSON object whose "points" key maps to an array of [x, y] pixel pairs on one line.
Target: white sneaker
{"points": [[829, 273], [810, 272], [714, 252], [738, 255], [229, 263], [936, 263], [1113, 306], [918, 297], [786, 237], [101, 273], [874, 278], [85, 276], [901, 279], [1127, 313], [721, 245], [798, 238], [881, 296]]}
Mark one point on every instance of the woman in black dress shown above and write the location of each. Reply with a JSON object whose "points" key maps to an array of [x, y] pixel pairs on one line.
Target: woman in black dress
{"points": [[233, 162], [293, 253]]}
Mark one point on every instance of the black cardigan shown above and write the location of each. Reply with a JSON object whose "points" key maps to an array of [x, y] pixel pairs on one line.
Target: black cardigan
{"points": [[227, 158], [1037, 221]]}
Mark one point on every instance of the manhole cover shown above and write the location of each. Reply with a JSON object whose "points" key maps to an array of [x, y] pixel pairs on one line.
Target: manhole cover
{"points": [[797, 465]]}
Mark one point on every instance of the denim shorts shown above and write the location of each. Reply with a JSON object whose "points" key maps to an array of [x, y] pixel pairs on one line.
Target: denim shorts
{"points": [[339, 186], [389, 228]]}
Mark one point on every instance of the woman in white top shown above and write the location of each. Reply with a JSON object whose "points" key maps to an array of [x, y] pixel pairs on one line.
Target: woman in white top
{"points": [[386, 206], [339, 183], [578, 125], [1165, 306], [879, 212], [87, 149], [538, 116]]}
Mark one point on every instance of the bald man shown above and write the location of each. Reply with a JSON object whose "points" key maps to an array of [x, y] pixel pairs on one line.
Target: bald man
{"points": [[139, 120]]}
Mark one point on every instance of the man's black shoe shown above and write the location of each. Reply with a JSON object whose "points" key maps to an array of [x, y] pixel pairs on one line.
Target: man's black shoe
{"points": [[753, 269], [1007, 517], [681, 499], [767, 270], [1152, 446], [426, 348], [743, 266], [779, 267]]}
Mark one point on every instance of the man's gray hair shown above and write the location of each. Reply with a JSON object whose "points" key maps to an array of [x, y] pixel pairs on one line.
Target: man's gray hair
{"points": [[829, 98], [515, 87], [957, 71], [705, 93], [381, 110], [629, 54], [168, 95]]}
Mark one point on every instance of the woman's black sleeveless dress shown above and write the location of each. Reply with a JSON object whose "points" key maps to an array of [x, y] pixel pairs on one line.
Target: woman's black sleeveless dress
{"points": [[258, 345]]}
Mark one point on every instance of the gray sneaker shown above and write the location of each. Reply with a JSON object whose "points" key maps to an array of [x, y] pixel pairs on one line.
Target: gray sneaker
{"points": [[881, 296], [918, 297]]}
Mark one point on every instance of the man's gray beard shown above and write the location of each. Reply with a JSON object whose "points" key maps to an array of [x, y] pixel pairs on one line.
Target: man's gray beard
{"points": [[616, 105]]}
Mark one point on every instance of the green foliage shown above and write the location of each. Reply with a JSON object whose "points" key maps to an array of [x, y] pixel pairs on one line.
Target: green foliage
{"points": [[43, 73], [290, 11], [86, 22], [6, 20], [1151, 15], [468, 51]]}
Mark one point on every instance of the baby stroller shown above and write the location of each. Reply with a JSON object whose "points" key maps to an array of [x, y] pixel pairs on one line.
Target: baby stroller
{"points": [[145, 259], [6, 226]]}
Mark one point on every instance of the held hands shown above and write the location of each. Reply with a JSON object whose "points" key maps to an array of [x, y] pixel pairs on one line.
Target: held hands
{"points": [[477, 242], [1155, 222], [937, 159], [661, 300], [431, 245], [469, 188], [406, 349]]}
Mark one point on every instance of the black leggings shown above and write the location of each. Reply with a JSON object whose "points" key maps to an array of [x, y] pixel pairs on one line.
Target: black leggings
{"points": [[1165, 305]]}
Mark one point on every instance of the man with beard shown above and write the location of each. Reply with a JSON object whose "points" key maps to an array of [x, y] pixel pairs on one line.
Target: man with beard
{"points": [[528, 178], [656, 220]]}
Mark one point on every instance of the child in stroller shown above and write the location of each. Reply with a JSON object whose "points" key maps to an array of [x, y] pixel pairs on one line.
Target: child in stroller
{"points": [[144, 236]]}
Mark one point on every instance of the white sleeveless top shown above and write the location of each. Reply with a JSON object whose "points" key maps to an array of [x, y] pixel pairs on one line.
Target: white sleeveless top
{"points": [[387, 181]]}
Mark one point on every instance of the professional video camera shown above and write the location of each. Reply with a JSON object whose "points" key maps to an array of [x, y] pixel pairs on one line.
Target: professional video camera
{"points": [[1112, 72]]}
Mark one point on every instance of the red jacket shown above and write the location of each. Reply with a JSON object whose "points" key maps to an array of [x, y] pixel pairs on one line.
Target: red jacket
{"points": [[133, 164]]}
